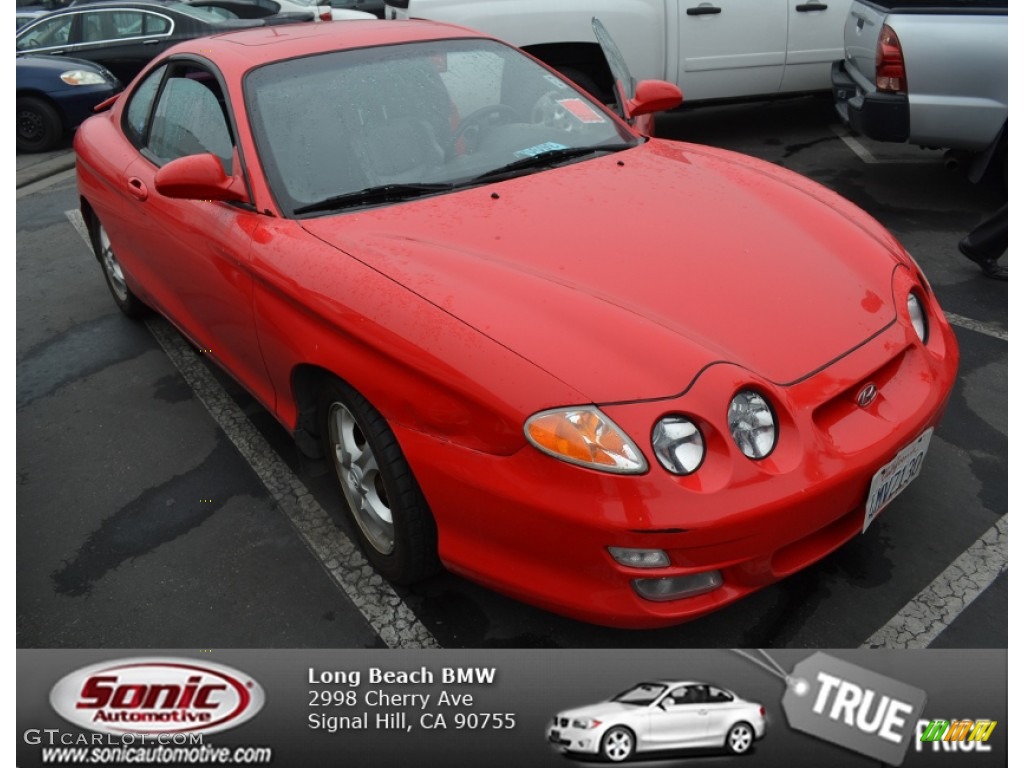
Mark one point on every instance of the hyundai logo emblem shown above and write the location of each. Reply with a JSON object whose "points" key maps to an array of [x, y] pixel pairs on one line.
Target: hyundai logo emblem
{"points": [[867, 395]]}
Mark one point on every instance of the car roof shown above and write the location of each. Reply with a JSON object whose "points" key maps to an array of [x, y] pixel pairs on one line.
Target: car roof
{"points": [[277, 43]]}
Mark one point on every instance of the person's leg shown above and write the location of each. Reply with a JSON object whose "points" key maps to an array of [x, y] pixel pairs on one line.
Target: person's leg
{"points": [[987, 242]]}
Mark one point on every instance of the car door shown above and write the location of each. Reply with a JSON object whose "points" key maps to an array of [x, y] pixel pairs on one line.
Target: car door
{"points": [[678, 720], [730, 48], [723, 712], [815, 41], [123, 40], [193, 256]]}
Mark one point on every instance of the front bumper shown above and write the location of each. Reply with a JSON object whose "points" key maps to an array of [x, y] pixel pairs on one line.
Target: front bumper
{"points": [[538, 529], [879, 116], [576, 740]]}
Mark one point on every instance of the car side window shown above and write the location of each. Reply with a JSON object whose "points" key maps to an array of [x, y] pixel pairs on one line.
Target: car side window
{"points": [[156, 25], [717, 695], [47, 33], [190, 118], [140, 107], [690, 694]]}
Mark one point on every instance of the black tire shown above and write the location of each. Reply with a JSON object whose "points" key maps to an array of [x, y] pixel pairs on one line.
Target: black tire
{"points": [[391, 518], [40, 126], [618, 744], [740, 738], [126, 300]]}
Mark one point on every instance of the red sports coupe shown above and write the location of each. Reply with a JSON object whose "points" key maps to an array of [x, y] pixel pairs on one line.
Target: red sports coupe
{"points": [[625, 379]]}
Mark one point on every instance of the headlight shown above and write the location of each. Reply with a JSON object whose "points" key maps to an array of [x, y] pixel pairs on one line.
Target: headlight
{"points": [[82, 77], [678, 444], [587, 437], [752, 424], [917, 316], [585, 723]]}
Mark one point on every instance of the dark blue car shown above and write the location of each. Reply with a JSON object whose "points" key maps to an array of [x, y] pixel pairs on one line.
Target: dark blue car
{"points": [[55, 95]]}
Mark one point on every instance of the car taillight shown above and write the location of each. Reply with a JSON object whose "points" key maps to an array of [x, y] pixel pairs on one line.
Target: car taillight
{"points": [[890, 72], [762, 711]]}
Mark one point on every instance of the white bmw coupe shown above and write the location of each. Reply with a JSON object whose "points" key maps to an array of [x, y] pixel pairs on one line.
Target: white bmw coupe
{"points": [[660, 715]]}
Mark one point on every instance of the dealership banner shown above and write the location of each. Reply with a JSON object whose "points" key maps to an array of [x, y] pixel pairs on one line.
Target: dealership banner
{"points": [[512, 708]]}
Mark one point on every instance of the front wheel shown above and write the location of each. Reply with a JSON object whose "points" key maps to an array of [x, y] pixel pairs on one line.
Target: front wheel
{"points": [[392, 520], [618, 745], [39, 125], [739, 739]]}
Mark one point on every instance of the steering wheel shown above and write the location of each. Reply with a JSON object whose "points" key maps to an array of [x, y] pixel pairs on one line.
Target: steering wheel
{"points": [[547, 111], [473, 124]]}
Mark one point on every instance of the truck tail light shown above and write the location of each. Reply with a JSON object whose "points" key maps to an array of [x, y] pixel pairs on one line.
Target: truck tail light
{"points": [[890, 71]]}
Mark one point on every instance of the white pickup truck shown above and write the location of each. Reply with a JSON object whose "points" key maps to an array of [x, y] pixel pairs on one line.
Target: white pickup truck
{"points": [[928, 72], [724, 49]]}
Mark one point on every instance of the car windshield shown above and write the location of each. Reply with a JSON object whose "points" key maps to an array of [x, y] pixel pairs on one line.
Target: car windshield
{"points": [[641, 695], [376, 125]]}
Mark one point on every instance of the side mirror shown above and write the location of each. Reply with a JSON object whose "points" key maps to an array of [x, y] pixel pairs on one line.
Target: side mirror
{"points": [[199, 177], [653, 96]]}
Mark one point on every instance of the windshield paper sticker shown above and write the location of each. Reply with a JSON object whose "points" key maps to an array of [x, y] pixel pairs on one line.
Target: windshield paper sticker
{"points": [[547, 146], [581, 110]]}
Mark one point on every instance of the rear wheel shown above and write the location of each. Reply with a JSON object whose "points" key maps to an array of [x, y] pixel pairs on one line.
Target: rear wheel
{"points": [[740, 738], [392, 520], [126, 301], [39, 125]]}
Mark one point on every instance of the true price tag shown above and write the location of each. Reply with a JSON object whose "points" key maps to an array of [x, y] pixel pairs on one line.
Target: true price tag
{"points": [[853, 707]]}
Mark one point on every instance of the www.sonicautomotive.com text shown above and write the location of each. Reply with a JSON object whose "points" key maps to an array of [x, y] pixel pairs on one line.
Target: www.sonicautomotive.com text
{"points": [[205, 754]]}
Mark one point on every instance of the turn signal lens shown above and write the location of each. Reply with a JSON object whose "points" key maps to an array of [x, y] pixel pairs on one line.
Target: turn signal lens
{"points": [[587, 437]]}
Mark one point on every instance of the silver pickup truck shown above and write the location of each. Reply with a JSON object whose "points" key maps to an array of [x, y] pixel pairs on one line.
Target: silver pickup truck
{"points": [[927, 72]]}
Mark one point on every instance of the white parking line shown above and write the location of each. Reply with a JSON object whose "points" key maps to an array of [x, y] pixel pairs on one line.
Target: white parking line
{"points": [[865, 154], [977, 326], [379, 604], [935, 607]]}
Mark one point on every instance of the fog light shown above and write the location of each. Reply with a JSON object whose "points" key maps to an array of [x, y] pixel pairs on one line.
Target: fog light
{"points": [[677, 587], [639, 558]]}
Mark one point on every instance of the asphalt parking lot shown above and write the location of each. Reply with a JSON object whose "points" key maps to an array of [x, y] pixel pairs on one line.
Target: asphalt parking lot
{"points": [[160, 506]]}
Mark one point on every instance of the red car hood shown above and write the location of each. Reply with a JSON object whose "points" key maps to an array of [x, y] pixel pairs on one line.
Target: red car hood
{"points": [[625, 275]]}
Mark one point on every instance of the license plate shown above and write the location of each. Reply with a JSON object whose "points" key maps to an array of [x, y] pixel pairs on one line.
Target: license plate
{"points": [[890, 480]]}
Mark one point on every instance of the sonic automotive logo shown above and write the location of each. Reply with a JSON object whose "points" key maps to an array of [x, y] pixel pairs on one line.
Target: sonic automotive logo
{"points": [[159, 695]]}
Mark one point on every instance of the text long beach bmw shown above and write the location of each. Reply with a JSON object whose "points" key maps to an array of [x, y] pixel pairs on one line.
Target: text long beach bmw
{"points": [[624, 379]]}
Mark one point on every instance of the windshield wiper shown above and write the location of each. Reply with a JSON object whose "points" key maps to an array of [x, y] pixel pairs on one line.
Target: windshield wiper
{"points": [[549, 157], [385, 193]]}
